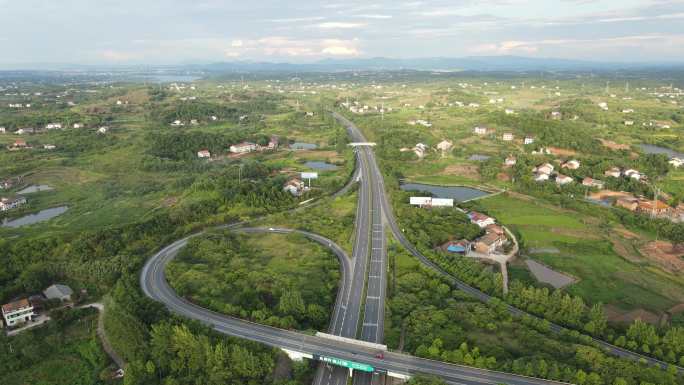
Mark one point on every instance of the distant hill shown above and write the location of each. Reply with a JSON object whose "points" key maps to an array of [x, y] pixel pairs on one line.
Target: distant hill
{"points": [[473, 63]]}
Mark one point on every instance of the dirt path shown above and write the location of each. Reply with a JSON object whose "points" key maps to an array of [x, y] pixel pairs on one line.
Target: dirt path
{"points": [[103, 337]]}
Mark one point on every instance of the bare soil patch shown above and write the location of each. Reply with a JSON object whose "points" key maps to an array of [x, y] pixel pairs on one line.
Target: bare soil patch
{"points": [[466, 170], [676, 309], [603, 194], [170, 201], [625, 249], [562, 151], [614, 146], [617, 315], [664, 254]]}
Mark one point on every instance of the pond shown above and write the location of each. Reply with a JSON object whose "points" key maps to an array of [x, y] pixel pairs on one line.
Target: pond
{"points": [[479, 158], [303, 146], [40, 216], [653, 149], [458, 193], [35, 188], [318, 165]]}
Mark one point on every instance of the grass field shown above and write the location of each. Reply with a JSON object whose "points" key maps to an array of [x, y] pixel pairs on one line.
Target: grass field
{"points": [[585, 252]]}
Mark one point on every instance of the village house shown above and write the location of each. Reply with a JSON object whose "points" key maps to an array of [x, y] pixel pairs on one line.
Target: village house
{"points": [[177, 123], [203, 154], [508, 111], [528, 140], [194, 122], [3, 130], [591, 182], [555, 114], [571, 165], [309, 114], [546, 168], [420, 149], [629, 203], [19, 144], [242, 148], [78, 125], [295, 186], [540, 177], [629, 122], [17, 312], [11, 203], [480, 130], [488, 243], [510, 161], [627, 111], [657, 208], [445, 146], [49, 146], [507, 136], [613, 172], [54, 126], [480, 219], [102, 130], [60, 292], [634, 174], [676, 162], [563, 179], [273, 143], [603, 106]]}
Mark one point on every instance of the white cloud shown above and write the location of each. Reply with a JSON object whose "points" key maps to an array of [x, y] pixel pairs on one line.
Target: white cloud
{"points": [[339, 25], [375, 16]]}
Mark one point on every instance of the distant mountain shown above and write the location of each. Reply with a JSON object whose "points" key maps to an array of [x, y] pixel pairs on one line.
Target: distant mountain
{"points": [[473, 63]]}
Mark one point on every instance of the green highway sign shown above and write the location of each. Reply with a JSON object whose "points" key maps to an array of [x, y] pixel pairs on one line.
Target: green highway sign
{"points": [[345, 363]]}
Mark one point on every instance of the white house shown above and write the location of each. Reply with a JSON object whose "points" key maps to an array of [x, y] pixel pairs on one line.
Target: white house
{"points": [[295, 186], [676, 162], [613, 172], [627, 111], [242, 148], [102, 130], [603, 106], [11, 203], [563, 179], [555, 114], [480, 219], [539, 177], [571, 164], [420, 149], [510, 161], [203, 154], [17, 312], [481, 130], [177, 123], [529, 140], [2, 130], [508, 111], [546, 168], [49, 146], [634, 174], [78, 125], [591, 182], [445, 145], [629, 122], [507, 136], [54, 126]]}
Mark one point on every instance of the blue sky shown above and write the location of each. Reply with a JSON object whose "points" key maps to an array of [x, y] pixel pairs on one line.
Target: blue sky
{"points": [[200, 31]]}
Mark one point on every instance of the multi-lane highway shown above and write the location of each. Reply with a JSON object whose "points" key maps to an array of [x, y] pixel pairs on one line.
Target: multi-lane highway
{"points": [[155, 286], [401, 238], [363, 285]]}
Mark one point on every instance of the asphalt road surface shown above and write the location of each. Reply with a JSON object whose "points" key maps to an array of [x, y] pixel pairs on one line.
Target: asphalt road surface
{"points": [[155, 286], [399, 235]]}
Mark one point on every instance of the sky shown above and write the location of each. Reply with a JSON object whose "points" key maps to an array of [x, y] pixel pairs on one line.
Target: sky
{"points": [[125, 32]]}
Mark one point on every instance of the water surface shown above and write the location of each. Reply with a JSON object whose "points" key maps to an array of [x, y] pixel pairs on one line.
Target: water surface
{"points": [[318, 165], [30, 219], [653, 149], [458, 193], [35, 188], [303, 146]]}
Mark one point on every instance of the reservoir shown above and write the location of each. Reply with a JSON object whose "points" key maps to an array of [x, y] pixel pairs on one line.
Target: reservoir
{"points": [[457, 193], [653, 149], [30, 219], [318, 165]]}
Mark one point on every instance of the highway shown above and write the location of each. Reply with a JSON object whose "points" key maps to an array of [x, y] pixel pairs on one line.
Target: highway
{"points": [[155, 286], [401, 238]]}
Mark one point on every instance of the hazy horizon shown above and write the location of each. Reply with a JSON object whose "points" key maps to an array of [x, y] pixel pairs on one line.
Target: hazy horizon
{"points": [[172, 32]]}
